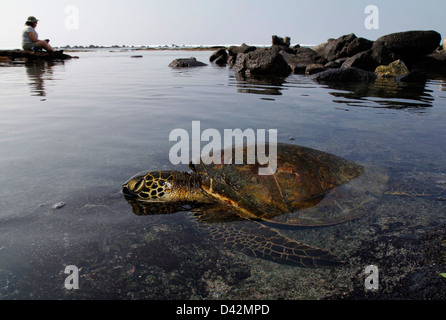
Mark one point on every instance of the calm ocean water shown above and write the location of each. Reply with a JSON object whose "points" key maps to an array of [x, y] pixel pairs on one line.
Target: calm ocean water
{"points": [[73, 132]]}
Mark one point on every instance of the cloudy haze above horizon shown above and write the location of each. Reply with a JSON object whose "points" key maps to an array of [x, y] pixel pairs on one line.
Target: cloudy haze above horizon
{"points": [[210, 22]]}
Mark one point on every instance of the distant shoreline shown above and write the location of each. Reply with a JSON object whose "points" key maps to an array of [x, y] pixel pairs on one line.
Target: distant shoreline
{"points": [[164, 48], [123, 49], [77, 48]]}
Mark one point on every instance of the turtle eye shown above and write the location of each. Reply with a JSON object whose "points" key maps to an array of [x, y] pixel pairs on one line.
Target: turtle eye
{"points": [[134, 186], [137, 186]]}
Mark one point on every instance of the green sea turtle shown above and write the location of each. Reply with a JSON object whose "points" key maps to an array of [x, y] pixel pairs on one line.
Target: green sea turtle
{"points": [[236, 205]]}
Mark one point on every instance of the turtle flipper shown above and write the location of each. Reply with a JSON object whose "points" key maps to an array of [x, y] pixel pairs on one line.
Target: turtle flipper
{"points": [[255, 239]]}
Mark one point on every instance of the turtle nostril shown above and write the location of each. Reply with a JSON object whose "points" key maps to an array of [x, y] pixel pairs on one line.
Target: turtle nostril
{"points": [[126, 191]]}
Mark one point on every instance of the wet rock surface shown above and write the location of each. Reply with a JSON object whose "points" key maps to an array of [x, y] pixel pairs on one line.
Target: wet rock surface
{"points": [[264, 61], [395, 69], [407, 45], [344, 46], [186, 63], [219, 57], [21, 55]]}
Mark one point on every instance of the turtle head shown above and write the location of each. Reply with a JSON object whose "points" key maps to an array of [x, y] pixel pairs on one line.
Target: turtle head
{"points": [[152, 186], [163, 186]]}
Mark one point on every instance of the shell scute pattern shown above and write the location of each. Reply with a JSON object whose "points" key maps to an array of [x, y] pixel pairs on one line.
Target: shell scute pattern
{"points": [[157, 186]]}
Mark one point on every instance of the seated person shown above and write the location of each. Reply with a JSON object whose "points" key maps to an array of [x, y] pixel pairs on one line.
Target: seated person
{"points": [[30, 39]]}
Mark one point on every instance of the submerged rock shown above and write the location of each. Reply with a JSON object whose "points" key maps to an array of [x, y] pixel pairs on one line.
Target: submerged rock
{"points": [[413, 76], [186, 63], [345, 75]]}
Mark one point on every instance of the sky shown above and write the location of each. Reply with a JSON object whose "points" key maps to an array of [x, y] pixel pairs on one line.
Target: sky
{"points": [[212, 22]]}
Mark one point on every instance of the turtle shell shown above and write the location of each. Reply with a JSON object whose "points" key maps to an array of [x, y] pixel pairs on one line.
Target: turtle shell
{"points": [[306, 184]]}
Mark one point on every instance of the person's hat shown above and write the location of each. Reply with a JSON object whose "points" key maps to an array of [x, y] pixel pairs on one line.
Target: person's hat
{"points": [[32, 19]]}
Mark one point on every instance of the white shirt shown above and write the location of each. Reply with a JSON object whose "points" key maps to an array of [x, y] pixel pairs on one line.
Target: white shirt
{"points": [[25, 38]]}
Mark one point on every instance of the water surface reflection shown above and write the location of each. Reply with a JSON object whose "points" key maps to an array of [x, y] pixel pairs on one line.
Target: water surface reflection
{"points": [[383, 93], [264, 85], [39, 72]]}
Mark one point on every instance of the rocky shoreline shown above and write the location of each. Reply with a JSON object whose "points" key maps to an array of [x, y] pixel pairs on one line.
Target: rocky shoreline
{"points": [[22, 56], [408, 56]]}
